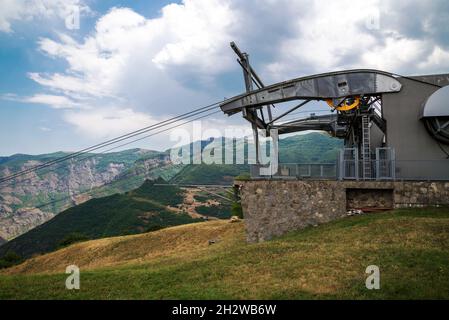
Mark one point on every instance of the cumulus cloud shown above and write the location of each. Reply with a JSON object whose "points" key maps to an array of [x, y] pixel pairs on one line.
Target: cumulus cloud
{"points": [[102, 123], [329, 37], [196, 35], [56, 102], [12, 11], [141, 63], [126, 45], [148, 68], [383, 34]]}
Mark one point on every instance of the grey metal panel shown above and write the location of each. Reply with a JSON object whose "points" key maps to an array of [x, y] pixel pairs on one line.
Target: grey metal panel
{"points": [[438, 104], [329, 85], [384, 84], [357, 83], [306, 87], [434, 79], [321, 123], [377, 137], [343, 85], [405, 132]]}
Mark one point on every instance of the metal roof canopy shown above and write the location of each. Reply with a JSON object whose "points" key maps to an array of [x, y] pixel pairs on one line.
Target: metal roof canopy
{"points": [[437, 104], [333, 85], [373, 109]]}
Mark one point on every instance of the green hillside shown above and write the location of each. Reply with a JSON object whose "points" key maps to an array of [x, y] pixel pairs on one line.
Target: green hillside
{"points": [[54, 189], [313, 147], [218, 174], [127, 158], [306, 148], [118, 214], [140, 210], [410, 247]]}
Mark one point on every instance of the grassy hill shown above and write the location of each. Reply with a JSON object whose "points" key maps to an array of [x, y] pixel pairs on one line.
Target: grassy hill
{"points": [[218, 174], [51, 191], [142, 209], [329, 261], [313, 147]]}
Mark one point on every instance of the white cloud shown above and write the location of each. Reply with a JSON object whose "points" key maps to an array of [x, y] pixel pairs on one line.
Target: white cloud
{"points": [[329, 35], [436, 62], [383, 34], [192, 35], [197, 34], [12, 11], [125, 55], [167, 65], [397, 54], [138, 63], [56, 102], [105, 123]]}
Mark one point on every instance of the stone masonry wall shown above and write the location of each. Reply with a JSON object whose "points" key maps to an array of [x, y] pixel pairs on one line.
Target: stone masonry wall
{"points": [[420, 193], [275, 207], [369, 198]]}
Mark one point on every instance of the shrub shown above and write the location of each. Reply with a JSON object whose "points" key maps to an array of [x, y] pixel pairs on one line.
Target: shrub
{"points": [[72, 238], [154, 227], [243, 177], [10, 259], [236, 209], [221, 211], [236, 206]]}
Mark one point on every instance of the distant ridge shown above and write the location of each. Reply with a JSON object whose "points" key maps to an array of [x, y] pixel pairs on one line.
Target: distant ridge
{"points": [[146, 208], [48, 192]]}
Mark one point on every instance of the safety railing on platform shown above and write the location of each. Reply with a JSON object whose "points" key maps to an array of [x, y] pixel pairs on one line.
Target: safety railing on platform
{"points": [[362, 170], [301, 170]]}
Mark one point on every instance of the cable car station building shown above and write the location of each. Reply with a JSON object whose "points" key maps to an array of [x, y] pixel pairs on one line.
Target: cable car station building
{"points": [[396, 146]]}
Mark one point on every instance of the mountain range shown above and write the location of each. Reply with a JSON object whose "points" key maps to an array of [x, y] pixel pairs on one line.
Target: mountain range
{"points": [[152, 206], [35, 198]]}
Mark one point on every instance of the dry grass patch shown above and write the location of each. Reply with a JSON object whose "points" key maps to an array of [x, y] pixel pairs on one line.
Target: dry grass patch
{"points": [[411, 247], [182, 242]]}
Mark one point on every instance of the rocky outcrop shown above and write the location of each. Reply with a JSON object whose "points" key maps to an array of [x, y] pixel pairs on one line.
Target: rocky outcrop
{"points": [[21, 221], [36, 197]]}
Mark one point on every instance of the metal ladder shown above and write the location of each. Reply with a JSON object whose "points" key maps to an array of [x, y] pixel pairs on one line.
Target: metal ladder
{"points": [[366, 148]]}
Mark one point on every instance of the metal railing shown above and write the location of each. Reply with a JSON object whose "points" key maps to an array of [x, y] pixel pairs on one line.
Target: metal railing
{"points": [[300, 170], [362, 170], [422, 169], [395, 170], [367, 170]]}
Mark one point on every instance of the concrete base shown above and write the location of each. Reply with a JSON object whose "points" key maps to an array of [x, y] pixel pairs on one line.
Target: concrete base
{"points": [[275, 207]]}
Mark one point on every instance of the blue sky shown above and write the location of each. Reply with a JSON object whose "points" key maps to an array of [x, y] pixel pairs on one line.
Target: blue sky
{"points": [[133, 63]]}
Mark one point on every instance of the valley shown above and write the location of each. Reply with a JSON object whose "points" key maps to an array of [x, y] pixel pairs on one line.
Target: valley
{"points": [[150, 207], [35, 198]]}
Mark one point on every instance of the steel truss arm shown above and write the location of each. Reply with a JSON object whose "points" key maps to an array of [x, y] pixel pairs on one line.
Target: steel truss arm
{"points": [[333, 85], [288, 112]]}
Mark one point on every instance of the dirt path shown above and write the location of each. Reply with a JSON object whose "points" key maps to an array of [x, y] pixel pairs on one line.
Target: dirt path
{"points": [[189, 204]]}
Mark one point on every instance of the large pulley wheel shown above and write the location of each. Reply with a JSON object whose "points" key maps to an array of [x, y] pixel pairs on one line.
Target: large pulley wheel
{"points": [[438, 127], [436, 115], [347, 105]]}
